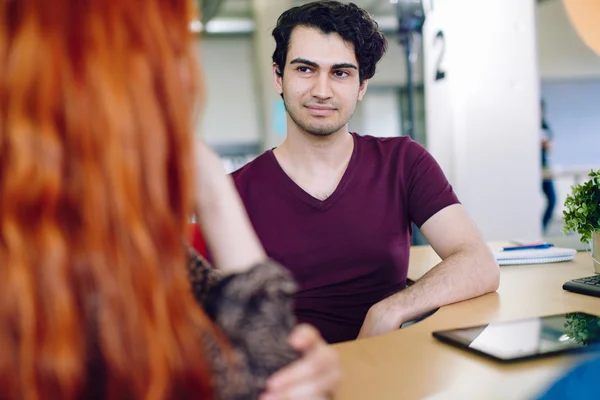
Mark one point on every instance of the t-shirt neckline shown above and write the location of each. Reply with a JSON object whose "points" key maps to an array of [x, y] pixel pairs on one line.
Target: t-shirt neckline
{"points": [[322, 205]]}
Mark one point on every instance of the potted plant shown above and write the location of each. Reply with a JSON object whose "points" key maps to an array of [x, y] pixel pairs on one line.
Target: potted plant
{"points": [[582, 214]]}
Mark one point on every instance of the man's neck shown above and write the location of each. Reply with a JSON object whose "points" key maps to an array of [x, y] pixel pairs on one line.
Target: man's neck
{"points": [[310, 153], [314, 163]]}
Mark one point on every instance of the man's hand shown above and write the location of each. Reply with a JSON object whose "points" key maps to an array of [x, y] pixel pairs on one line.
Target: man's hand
{"points": [[314, 376], [381, 318]]}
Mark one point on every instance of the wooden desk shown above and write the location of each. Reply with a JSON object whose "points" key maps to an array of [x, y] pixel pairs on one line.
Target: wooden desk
{"points": [[411, 364]]}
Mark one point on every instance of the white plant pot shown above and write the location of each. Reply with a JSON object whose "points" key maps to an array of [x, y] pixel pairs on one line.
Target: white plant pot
{"points": [[596, 250]]}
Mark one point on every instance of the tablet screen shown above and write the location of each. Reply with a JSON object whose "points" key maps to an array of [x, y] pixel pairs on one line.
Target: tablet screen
{"points": [[528, 338]]}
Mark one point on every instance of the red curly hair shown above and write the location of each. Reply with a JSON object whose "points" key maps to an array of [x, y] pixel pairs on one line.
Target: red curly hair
{"points": [[96, 104]]}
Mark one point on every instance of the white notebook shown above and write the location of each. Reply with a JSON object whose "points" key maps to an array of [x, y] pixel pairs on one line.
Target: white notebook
{"points": [[534, 256]]}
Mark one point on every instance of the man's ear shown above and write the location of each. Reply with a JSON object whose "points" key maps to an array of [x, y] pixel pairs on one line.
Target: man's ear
{"points": [[278, 78], [362, 89]]}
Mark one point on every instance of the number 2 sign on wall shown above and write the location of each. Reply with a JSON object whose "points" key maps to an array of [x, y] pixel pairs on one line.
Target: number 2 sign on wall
{"points": [[439, 43], [439, 39]]}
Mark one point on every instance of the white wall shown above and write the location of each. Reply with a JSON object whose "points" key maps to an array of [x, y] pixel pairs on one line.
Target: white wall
{"points": [[231, 114], [482, 119], [561, 52]]}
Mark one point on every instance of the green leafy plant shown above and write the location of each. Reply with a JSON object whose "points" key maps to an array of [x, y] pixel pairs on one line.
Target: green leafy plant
{"points": [[582, 208], [582, 328]]}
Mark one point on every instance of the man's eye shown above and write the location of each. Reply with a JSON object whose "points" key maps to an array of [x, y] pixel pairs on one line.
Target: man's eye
{"points": [[341, 74], [304, 69]]}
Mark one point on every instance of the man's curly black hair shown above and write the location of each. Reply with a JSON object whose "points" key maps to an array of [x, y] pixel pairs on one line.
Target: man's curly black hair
{"points": [[349, 21]]}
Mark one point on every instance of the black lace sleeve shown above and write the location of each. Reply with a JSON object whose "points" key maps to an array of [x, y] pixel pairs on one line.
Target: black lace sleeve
{"points": [[254, 312], [202, 275]]}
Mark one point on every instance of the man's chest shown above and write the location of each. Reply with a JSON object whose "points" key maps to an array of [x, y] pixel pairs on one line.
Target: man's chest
{"points": [[358, 235]]}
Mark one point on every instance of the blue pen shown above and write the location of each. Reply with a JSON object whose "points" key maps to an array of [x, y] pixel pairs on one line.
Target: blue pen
{"points": [[537, 246]]}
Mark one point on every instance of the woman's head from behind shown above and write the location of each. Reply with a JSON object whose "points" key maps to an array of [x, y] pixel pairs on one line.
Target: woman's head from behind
{"points": [[96, 98]]}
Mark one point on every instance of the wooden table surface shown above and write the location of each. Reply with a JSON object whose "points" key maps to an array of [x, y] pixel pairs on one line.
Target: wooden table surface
{"points": [[410, 364]]}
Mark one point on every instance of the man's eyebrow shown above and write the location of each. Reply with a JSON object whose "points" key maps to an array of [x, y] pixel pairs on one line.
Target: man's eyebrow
{"points": [[315, 65], [304, 61], [344, 65]]}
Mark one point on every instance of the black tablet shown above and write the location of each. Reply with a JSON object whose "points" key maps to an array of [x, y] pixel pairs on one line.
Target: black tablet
{"points": [[528, 338]]}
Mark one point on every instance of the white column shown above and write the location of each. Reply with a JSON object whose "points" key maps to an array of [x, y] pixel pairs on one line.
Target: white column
{"points": [[271, 108], [483, 110]]}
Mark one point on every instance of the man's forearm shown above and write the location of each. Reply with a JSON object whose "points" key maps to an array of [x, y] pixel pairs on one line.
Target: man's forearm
{"points": [[466, 274]]}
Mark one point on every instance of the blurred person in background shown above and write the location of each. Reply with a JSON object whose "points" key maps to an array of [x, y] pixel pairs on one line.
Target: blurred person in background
{"points": [[547, 181], [98, 179]]}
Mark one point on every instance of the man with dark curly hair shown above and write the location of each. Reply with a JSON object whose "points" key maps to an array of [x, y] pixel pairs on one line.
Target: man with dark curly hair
{"points": [[336, 207]]}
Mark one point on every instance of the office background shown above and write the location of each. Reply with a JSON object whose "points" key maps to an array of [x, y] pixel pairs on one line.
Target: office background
{"points": [[238, 117]]}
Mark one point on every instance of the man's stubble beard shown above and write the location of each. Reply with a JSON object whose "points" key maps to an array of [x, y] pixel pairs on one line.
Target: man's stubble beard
{"points": [[320, 131]]}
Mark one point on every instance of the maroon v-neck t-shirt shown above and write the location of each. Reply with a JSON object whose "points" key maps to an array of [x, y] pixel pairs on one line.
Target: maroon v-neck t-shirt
{"points": [[351, 250]]}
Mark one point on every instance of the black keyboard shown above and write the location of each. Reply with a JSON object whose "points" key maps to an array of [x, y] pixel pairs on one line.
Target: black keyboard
{"points": [[589, 285]]}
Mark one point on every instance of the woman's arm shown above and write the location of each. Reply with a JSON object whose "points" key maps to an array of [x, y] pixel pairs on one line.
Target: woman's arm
{"points": [[251, 302], [222, 216]]}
